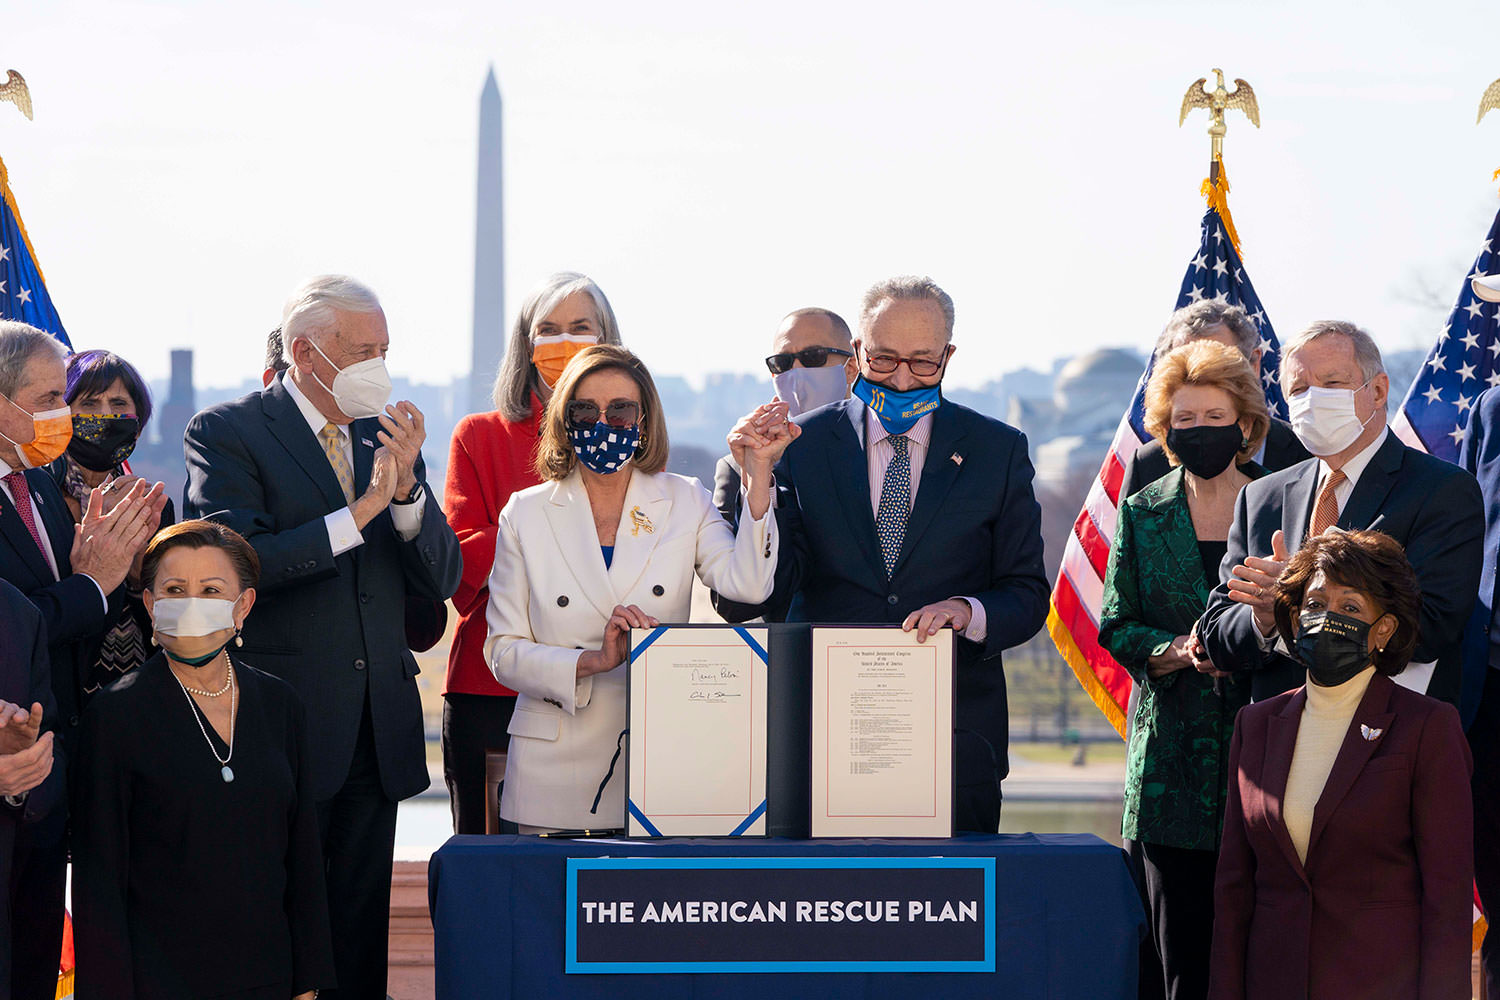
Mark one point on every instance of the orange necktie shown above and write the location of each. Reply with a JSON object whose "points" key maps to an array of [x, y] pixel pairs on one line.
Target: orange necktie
{"points": [[1326, 510]]}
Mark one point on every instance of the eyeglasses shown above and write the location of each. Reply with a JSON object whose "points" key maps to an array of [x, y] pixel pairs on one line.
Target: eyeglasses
{"points": [[619, 412], [885, 364], [811, 357]]}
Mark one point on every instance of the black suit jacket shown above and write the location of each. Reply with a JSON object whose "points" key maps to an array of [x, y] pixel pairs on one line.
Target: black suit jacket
{"points": [[975, 531], [727, 499], [1431, 507], [1149, 463], [25, 679], [75, 616], [332, 627]]}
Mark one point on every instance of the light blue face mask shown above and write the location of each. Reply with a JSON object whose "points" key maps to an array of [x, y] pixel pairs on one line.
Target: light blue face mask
{"points": [[807, 389], [898, 409]]}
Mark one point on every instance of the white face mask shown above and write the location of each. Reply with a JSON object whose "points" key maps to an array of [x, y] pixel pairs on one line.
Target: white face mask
{"points": [[191, 617], [809, 388], [1324, 420], [360, 390]]}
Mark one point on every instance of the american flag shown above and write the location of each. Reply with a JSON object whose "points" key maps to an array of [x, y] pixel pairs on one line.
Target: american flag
{"points": [[1464, 362], [23, 293], [1215, 273]]}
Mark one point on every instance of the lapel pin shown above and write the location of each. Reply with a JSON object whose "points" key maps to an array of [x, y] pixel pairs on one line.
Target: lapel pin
{"points": [[367, 442], [1368, 733], [639, 521], [956, 458]]}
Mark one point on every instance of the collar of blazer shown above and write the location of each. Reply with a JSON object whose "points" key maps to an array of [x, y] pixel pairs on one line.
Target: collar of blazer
{"points": [[1370, 491], [286, 423], [572, 522], [14, 531], [1354, 753], [1165, 502]]}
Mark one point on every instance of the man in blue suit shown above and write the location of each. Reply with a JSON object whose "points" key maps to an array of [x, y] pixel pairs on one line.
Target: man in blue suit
{"points": [[31, 783], [1481, 456], [326, 481], [1363, 477], [897, 506]]}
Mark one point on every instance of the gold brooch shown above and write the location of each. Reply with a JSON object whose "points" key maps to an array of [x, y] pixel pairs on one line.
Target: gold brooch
{"points": [[639, 521]]}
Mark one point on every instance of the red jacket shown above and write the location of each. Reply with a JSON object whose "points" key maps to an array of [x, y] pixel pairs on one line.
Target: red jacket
{"points": [[489, 459], [1383, 906]]}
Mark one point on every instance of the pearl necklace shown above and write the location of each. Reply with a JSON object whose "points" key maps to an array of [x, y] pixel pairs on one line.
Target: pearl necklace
{"points": [[225, 771], [228, 680]]}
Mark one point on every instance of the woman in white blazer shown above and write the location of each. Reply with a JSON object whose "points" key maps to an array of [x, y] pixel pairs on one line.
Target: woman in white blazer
{"points": [[606, 543]]}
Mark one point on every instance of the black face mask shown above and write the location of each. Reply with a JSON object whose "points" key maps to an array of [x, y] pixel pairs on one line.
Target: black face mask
{"points": [[102, 441], [1206, 451], [1333, 647]]}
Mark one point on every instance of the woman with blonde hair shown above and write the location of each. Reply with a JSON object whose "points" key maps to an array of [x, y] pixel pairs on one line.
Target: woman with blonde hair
{"points": [[1208, 409], [608, 542]]}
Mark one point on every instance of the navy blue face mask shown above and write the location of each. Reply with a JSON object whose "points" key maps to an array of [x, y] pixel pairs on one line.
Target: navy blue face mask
{"points": [[897, 409], [603, 448]]}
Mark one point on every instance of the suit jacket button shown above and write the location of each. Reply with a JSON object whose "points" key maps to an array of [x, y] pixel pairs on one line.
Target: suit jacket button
{"points": [[359, 664], [892, 599], [562, 601], [72, 720], [364, 598], [658, 590]]}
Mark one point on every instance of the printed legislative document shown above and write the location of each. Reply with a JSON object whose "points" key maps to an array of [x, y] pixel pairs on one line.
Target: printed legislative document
{"points": [[882, 733], [697, 732]]}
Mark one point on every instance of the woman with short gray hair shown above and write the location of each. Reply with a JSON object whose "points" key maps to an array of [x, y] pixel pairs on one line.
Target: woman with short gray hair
{"points": [[492, 455]]}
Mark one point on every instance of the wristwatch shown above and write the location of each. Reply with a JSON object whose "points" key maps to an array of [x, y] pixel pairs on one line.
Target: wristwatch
{"points": [[412, 497]]}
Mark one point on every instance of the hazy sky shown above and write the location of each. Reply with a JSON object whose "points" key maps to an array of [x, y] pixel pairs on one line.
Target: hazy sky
{"points": [[714, 166]]}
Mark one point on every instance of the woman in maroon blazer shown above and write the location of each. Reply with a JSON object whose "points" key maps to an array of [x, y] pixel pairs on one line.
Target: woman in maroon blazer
{"points": [[489, 459], [1347, 862]]}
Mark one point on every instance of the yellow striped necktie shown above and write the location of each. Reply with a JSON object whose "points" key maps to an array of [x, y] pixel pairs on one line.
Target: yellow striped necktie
{"points": [[333, 447]]}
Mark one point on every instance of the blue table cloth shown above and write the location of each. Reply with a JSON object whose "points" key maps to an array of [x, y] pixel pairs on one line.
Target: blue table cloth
{"points": [[1068, 921]]}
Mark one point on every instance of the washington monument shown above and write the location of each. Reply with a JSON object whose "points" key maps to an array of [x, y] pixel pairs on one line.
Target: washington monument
{"points": [[489, 254]]}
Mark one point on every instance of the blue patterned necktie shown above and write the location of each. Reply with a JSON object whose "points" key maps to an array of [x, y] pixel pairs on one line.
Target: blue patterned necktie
{"points": [[895, 503]]}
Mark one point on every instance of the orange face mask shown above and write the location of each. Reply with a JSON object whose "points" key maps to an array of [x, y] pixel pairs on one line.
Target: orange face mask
{"points": [[52, 431], [552, 354]]}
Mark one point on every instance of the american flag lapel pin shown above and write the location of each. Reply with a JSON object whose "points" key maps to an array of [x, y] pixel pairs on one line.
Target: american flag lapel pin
{"points": [[367, 442], [1369, 734], [956, 459]]}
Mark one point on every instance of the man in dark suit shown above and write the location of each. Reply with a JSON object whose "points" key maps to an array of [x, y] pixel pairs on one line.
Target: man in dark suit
{"points": [[920, 514], [31, 767], [812, 364], [1230, 326], [326, 481], [1364, 477], [1481, 457], [73, 577]]}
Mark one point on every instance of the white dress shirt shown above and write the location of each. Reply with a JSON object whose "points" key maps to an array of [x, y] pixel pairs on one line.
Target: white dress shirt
{"points": [[41, 529], [343, 533]]}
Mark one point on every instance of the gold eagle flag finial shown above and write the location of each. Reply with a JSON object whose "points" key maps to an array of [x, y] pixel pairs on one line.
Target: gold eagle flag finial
{"points": [[1490, 101], [1218, 101], [14, 90]]}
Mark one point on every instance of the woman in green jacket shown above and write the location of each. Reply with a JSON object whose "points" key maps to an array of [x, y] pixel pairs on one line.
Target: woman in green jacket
{"points": [[1206, 405]]}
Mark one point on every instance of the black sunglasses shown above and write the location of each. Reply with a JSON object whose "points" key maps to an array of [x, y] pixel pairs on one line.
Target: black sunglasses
{"points": [[619, 413], [811, 357]]}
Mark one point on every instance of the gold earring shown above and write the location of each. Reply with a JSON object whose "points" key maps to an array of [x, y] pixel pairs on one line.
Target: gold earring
{"points": [[238, 642]]}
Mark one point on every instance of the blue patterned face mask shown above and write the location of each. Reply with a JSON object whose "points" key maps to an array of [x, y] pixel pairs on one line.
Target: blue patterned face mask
{"points": [[898, 409], [603, 448]]}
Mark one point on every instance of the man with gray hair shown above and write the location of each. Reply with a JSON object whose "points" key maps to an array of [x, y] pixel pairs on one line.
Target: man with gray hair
{"points": [[897, 506], [1363, 477], [326, 481], [1232, 327], [75, 578]]}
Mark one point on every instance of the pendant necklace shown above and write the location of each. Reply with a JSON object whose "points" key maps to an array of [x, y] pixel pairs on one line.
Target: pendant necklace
{"points": [[225, 771]]}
